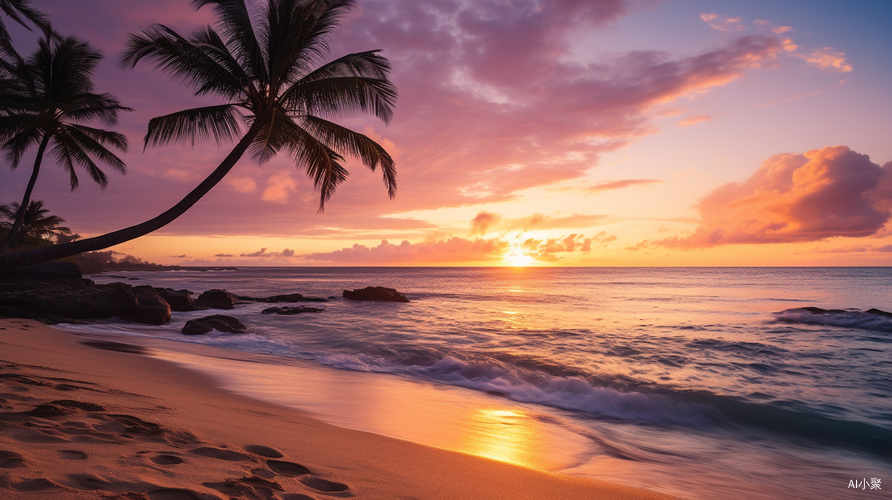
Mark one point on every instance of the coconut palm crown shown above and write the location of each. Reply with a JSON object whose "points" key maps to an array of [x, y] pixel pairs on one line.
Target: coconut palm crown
{"points": [[37, 224], [278, 94], [46, 100], [272, 75]]}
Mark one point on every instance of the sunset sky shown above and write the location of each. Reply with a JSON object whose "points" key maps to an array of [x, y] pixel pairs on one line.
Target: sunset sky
{"points": [[535, 132]]}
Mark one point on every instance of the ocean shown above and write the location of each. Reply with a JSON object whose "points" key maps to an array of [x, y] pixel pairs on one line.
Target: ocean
{"points": [[706, 383]]}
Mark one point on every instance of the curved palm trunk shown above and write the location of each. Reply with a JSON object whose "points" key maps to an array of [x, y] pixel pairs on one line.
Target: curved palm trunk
{"points": [[22, 259], [26, 199]]}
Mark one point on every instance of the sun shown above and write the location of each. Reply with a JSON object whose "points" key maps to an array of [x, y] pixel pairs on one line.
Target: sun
{"points": [[516, 258]]}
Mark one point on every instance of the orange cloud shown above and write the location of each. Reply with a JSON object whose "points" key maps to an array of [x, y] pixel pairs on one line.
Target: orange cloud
{"points": [[828, 59], [606, 186], [722, 22], [242, 183], [483, 221], [279, 187], [823, 193], [693, 120]]}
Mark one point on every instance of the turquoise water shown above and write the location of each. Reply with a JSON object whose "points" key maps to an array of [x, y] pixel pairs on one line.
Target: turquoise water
{"points": [[700, 382]]}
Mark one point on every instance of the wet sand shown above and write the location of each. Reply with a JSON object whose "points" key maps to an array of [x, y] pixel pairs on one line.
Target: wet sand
{"points": [[108, 420]]}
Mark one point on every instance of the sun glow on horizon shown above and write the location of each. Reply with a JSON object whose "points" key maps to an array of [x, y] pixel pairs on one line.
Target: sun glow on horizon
{"points": [[515, 257]]}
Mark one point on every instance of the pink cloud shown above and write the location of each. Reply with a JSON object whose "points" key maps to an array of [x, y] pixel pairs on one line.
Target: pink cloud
{"points": [[827, 59], [263, 253], [483, 221], [450, 250], [722, 22], [606, 186], [823, 193], [693, 120]]}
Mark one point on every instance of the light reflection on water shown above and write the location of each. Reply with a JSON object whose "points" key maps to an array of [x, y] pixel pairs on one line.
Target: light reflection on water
{"points": [[442, 416]]}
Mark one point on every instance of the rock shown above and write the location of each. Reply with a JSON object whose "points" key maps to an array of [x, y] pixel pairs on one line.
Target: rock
{"points": [[179, 300], [291, 310], [818, 310], [294, 297], [65, 300], [375, 293], [291, 297], [48, 271], [879, 312], [217, 299], [219, 322]]}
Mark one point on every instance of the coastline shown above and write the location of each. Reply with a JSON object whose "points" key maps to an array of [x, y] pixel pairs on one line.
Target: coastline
{"points": [[165, 431]]}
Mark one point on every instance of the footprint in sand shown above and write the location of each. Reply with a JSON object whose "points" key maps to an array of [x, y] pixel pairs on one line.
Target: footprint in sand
{"points": [[221, 454], [11, 460], [166, 459], [179, 494], [246, 487], [264, 451], [72, 455], [290, 469], [317, 483]]}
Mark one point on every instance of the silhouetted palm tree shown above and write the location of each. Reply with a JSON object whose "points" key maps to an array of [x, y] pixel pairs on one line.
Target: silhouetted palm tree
{"points": [[266, 72], [44, 99], [36, 223]]}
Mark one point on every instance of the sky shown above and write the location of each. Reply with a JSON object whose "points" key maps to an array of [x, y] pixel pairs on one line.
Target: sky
{"points": [[533, 132]]}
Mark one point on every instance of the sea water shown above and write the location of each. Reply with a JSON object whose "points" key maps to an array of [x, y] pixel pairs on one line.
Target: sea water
{"points": [[699, 382]]}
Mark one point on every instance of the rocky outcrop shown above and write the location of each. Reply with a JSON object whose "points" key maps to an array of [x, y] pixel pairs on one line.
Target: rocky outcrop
{"points": [[219, 322], [376, 293], [179, 300], [291, 310], [57, 298], [217, 299]]}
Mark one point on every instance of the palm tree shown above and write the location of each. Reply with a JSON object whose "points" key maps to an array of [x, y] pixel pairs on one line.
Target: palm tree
{"points": [[36, 223], [45, 99], [20, 12], [271, 77]]}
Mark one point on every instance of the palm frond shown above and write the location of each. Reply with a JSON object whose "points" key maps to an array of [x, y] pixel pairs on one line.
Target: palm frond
{"points": [[92, 141], [238, 32], [324, 165], [348, 142], [18, 144], [355, 82], [179, 58], [70, 153], [102, 107], [222, 123]]}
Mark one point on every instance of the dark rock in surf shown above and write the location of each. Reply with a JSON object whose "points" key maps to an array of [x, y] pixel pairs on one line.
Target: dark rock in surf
{"points": [[179, 300], [58, 300], [217, 299], [294, 297], [291, 310], [219, 322], [376, 293], [879, 312], [289, 297]]}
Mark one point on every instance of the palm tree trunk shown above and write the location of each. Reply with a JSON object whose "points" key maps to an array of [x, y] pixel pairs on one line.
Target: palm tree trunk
{"points": [[20, 215], [22, 259]]}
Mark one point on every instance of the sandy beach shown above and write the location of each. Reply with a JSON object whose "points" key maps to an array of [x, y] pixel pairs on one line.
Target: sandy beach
{"points": [[80, 421]]}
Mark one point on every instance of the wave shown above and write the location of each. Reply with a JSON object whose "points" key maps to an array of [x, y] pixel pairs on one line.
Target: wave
{"points": [[871, 319], [600, 396]]}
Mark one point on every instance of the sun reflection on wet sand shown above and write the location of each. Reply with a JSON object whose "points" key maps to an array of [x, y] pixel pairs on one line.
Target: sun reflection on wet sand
{"points": [[432, 414], [504, 435]]}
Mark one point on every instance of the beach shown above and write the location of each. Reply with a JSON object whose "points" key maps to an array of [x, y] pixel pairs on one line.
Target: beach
{"points": [[86, 422]]}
